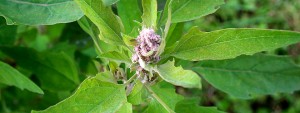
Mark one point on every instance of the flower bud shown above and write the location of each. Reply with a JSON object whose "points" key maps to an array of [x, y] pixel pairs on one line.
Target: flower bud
{"points": [[148, 43]]}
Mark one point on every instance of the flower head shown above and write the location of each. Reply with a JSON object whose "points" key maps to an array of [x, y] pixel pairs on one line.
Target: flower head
{"points": [[148, 43]]}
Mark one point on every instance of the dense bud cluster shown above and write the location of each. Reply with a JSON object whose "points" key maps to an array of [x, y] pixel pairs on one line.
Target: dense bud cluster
{"points": [[148, 43], [147, 46]]}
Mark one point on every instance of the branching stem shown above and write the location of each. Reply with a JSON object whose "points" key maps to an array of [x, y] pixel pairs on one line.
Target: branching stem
{"points": [[130, 80]]}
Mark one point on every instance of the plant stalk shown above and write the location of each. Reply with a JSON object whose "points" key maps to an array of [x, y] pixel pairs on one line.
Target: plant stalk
{"points": [[130, 80]]}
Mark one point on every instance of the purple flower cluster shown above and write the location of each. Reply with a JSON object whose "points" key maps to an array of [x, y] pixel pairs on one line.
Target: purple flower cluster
{"points": [[148, 43], [147, 46]]}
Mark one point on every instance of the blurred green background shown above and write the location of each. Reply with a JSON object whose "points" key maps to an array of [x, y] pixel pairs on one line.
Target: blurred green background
{"points": [[72, 40]]}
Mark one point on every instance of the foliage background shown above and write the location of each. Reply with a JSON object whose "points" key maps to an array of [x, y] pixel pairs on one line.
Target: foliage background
{"points": [[71, 40]]}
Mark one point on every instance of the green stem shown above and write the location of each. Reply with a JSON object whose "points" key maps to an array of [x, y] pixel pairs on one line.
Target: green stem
{"points": [[130, 80], [159, 100], [96, 43]]}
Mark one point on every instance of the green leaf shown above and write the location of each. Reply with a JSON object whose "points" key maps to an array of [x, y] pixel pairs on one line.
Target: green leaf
{"points": [[129, 11], [86, 26], [135, 96], [105, 47], [56, 71], [39, 12], [186, 10], [64, 47], [191, 106], [129, 41], [149, 13], [40, 43], [178, 76], [167, 94], [86, 64], [93, 96], [10, 76], [106, 76], [166, 30], [117, 56], [230, 43], [126, 108], [55, 31], [90, 28], [109, 2], [102, 16], [155, 107], [175, 33], [248, 76], [7, 33]]}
